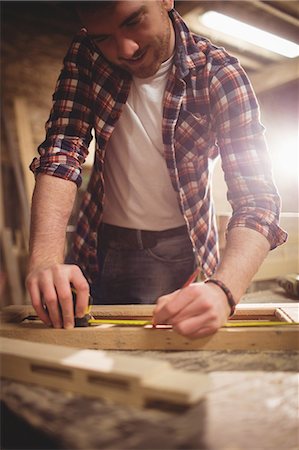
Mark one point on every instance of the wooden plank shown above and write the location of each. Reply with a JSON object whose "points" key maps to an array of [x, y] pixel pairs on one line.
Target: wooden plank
{"points": [[125, 379], [137, 338], [17, 314], [8, 131], [26, 144], [289, 312], [111, 337], [11, 266]]}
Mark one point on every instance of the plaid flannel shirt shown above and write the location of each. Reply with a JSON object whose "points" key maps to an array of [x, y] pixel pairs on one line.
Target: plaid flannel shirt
{"points": [[209, 108]]}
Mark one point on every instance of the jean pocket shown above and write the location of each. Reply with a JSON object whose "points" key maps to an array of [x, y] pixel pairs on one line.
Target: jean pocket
{"points": [[172, 250]]}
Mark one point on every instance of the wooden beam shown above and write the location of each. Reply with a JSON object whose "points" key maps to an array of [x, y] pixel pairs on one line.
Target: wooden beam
{"points": [[125, 379], [254, 56], [111, 337], [26, 145], [11, 150], [275, 75], [11, 261], [290, 19], [256, 13]]}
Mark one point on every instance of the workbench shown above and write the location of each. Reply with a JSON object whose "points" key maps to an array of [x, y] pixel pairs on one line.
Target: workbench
{"points": [[251, 403]]}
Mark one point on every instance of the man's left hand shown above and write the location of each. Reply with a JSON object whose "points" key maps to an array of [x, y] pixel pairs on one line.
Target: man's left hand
{"points": [[195, 311]]}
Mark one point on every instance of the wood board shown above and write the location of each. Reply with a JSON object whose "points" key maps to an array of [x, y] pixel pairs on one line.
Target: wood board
{"points": [[19, 322], [11, 266], [26, 145], [126, 379]]}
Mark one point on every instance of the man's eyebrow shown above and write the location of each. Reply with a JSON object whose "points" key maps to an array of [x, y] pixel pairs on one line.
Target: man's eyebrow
{"points": [[127, 20], [133, 15]]}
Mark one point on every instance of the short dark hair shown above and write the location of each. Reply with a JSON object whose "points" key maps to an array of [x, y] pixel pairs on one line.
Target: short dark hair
{"points": [[90, 7]]}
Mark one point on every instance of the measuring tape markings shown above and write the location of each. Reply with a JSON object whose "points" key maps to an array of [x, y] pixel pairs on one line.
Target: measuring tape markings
{"points": [[142, 323]]}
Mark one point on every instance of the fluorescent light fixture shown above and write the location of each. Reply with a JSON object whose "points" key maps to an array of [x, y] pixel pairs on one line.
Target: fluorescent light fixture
{"points": [[245, 32]]}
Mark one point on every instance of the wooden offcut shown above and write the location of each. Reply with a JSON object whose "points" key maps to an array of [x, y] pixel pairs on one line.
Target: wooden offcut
{"points": [[126, 379], [20, 322]]}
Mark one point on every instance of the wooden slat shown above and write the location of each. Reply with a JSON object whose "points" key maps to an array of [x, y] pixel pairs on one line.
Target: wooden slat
{"points": [[11, 266], [110, 337], [11, 150], [289, 312], [11, 313], [125, 379], [26, 144], [16, 314]]}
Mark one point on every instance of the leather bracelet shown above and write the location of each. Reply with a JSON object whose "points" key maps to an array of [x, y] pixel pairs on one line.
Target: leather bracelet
{"points": [[229, 295]]}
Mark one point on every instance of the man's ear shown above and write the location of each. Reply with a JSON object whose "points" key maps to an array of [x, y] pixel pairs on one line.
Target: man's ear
{"points": [[168, 4]]}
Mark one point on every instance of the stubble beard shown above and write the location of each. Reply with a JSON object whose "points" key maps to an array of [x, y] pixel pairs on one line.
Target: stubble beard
{"points": [[159, 51]]}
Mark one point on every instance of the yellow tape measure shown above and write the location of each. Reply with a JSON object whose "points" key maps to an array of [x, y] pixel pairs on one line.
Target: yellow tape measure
{"points": [[126, 322], [232, 324]]}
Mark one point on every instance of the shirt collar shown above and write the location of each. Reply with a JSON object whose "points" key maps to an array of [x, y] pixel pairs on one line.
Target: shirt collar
{"points": [[188, 55]]}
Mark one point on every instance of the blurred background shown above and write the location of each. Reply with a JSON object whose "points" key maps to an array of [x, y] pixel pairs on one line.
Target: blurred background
{"points": [[34, 39]]}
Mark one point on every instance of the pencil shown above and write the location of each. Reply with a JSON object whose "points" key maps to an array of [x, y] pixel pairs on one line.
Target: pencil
{"points": [[192, 277]]}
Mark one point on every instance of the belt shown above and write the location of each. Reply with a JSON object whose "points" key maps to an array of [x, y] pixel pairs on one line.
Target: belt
{"points": [[138, 239]]}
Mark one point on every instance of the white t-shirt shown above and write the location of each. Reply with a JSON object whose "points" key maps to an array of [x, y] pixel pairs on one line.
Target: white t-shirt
{"points": [[139, 193]]}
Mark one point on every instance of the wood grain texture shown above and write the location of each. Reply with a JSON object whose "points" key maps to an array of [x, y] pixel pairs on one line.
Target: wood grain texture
{"points": [[119, 378], [11, 265], [245, 409], [111, 337], [26, 144]]}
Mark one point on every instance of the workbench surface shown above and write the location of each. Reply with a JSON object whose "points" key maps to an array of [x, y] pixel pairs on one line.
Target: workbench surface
{"points": [[252, 403]]}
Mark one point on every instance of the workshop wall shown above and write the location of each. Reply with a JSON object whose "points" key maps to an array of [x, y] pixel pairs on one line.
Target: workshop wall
{"points": [[35, 37]]}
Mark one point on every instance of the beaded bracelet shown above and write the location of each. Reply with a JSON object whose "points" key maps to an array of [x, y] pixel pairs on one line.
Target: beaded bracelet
{"points": [[227, 292]]}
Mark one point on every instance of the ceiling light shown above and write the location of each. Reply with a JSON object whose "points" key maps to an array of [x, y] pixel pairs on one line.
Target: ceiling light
{"points": [[245, 32]]}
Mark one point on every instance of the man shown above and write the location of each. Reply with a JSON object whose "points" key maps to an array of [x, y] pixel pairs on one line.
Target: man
{"points": [[163, 103]]}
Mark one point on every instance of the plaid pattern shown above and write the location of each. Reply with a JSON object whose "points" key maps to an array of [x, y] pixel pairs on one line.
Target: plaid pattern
{"points": [[209, 109]]}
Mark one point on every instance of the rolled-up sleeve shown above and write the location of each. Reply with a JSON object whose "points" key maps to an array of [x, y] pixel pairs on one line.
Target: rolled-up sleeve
{"points": [[245, 158], [68, 129]]}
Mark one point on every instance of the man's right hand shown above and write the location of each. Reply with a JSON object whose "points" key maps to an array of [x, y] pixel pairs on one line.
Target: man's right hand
{"points": [[51, 295]]}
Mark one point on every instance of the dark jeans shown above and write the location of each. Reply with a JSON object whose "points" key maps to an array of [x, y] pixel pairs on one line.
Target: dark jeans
{"points": [[138, 275]]}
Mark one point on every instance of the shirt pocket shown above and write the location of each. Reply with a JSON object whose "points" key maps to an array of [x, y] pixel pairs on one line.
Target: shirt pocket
{"points": [[194, 137]]}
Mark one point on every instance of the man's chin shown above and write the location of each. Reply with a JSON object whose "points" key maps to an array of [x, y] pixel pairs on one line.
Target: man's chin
{"points": [[142, 72]]}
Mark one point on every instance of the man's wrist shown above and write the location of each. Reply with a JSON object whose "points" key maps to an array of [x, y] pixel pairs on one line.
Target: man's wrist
{"points": [[229, 296], [42, 263]]}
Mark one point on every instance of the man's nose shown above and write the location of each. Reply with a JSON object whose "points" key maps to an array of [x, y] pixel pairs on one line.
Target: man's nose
{"points": [[126, 48]]}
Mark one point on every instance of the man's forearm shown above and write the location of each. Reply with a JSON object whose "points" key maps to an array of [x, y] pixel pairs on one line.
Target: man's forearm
{"points": [[245, 251], [52, 204]]}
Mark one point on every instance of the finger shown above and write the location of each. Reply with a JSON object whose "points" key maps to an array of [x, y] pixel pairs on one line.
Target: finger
{"points": [[197, 307], [171, 308], [63, 290], [82, 289], [189, 326], [193, 326], [159, 313], [37, 304], [65, 299], [50, 300], [159, 306], [164, 299]]}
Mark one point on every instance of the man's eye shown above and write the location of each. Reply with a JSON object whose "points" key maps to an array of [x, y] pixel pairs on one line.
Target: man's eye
{"points": [[135, 21], [99, 40]]}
